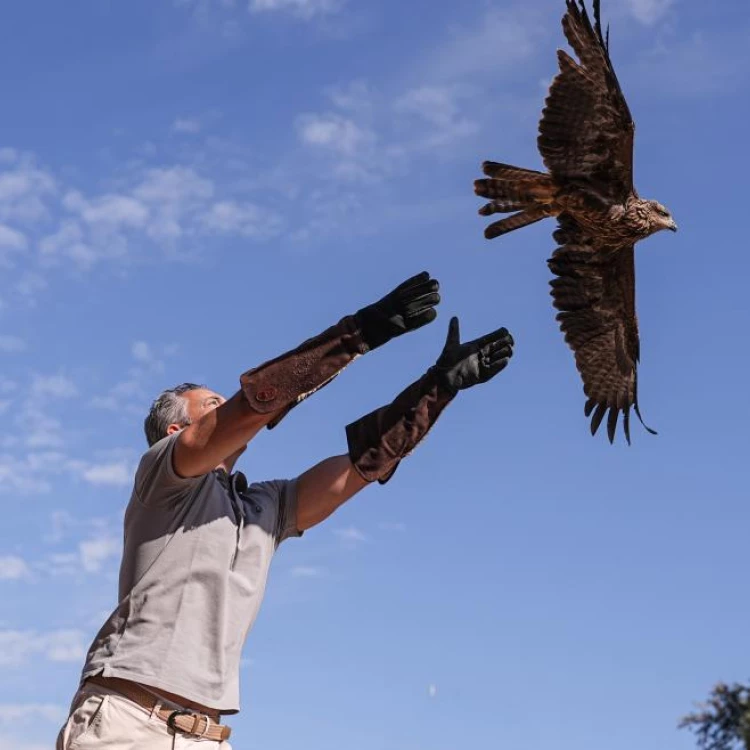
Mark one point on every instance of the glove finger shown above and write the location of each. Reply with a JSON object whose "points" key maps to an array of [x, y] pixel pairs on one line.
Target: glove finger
{"points": [[496, 367], [420, 278], [494, 346], [500, 335], [419, 290], [421, 320], [499, 351], [418, 305]]}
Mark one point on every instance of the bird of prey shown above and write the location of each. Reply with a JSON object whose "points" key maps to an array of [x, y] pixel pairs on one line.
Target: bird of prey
{"points": [[586, 142]]}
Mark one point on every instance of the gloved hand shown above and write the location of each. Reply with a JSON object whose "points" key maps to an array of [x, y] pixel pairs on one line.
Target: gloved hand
{"points": [[465, 365], [409, 306]]}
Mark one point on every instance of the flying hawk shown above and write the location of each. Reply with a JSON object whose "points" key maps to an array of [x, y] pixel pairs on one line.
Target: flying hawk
{"points": [[586, 142]]}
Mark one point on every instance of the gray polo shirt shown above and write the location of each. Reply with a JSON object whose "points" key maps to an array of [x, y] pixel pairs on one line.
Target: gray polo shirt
{"points": [[192, 579]]}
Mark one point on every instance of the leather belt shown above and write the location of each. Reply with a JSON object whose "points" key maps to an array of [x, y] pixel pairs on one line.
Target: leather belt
{"points": [[182, 720]]}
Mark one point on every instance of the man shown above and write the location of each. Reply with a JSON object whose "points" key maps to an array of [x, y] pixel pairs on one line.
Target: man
{"points": [[164, 667]]}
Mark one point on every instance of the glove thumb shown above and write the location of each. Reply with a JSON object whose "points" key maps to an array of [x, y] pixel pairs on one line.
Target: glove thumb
{"points": [[454, 337]]}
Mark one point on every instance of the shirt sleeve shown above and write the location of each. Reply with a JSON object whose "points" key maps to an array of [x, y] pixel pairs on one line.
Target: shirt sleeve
{"points": [[283, 494], [156, 482]]}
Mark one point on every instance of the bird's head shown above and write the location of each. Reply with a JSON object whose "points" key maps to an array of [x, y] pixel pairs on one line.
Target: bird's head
{"points": [[659, 218]]}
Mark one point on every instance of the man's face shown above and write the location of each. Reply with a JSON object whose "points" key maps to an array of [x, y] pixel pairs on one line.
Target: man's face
{"points": [[201, 401]]}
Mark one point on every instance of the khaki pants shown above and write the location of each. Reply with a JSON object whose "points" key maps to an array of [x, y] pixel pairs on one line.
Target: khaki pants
{"points": [[101, 718]]}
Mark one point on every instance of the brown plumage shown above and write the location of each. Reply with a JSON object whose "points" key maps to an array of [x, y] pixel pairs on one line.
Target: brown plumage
{"points": [[586, 142]]}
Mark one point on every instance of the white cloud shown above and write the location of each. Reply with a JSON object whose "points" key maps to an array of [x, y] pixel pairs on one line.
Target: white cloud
{"points": [[40, 429], [116, 473], [13, 568], [12, 344], [350, 535], [172, 194], [500, 40], [24, 190], [109, 210], [55, 386], [432, 691], [142, 351], [649, 12], [68, 241], [16, 646], [30, 285], [12, 239], [439, 108], [334, 132], [13, 713], [350, 145], [95, 552], [186, 125], [301, 8], [246, 219]]}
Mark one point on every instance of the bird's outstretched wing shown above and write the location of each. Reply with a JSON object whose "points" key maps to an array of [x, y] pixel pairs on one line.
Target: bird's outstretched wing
{"points": [[586, 131], [595, 294]]}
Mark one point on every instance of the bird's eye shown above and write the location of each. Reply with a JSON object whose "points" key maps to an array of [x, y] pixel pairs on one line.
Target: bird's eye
{"points": [[662, 212]]}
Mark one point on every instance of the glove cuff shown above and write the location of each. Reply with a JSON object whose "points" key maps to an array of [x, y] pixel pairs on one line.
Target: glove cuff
{"points": [[379, 441], [283, 382]]}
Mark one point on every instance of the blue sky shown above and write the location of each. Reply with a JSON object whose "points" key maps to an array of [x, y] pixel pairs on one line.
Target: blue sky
{"points": [[189, 188]]}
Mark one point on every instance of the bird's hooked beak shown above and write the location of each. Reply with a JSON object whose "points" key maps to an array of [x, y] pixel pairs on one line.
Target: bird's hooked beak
{"points": [[672, 226]]}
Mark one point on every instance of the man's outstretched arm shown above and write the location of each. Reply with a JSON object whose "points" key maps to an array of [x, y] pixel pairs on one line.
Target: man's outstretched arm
{"points": [[324, 487], [381, 439], [268, 392]]}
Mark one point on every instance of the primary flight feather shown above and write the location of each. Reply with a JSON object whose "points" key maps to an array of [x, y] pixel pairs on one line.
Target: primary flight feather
{"points": [[586, 142]]}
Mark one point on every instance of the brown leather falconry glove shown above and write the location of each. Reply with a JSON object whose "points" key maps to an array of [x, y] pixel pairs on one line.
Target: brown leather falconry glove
{"points": [[378, 441], [282, 383]]}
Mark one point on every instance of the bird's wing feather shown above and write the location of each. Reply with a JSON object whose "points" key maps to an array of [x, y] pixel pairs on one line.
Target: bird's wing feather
{"points": [[586, 131], [595, 294]]}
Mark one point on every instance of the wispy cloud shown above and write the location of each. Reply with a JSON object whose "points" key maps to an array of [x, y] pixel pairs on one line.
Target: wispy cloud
{"points": [[15, 713], [649, 12], [95, 552], [350, 535], [304, 9], [17, 646], [497, 41], [115, 473], [13, 568], [53, 386], [186, 125], [25, 188], [244, 219]]}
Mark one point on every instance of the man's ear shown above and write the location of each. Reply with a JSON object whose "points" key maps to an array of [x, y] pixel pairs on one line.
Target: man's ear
{"points": [[174, 428]]}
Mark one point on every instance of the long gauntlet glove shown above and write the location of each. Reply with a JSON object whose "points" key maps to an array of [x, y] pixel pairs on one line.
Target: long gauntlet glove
{"points": [[283, 382], [378, 441]]}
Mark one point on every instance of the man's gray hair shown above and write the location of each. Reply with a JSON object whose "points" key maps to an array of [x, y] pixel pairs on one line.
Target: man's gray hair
{"points": [[169, 408]]}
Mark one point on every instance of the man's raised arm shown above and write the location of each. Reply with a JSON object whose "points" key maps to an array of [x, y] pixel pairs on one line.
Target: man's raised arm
{"points": [[381, 439], [270, 391]]}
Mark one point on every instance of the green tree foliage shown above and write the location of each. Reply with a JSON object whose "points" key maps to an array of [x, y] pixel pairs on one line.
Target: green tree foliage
{"points": [[723, 721]]}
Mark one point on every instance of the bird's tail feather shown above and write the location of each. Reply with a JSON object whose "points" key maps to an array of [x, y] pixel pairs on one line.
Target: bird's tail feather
{"points": [[516, 221], [510, 188]]}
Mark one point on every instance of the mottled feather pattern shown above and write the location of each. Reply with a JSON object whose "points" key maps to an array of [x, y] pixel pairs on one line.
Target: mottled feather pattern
{"points": [[585, 139]]}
